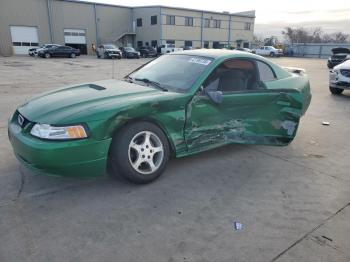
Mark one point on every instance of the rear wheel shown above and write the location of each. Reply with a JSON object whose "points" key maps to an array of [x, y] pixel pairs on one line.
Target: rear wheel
{"points": [[336, 91], [139, 152]]}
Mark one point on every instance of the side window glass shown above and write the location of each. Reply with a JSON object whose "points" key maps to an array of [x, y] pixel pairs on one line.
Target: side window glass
{"points": [[265, 72], [233, 75]]}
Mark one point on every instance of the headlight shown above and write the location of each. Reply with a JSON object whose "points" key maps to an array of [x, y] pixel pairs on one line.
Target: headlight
{"points": [[58, 133]]}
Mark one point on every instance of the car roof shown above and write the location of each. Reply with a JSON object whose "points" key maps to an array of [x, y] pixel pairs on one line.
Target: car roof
{"points": [[214, 53]]}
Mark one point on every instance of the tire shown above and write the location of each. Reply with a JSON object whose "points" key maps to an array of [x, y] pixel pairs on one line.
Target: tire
{"points": [[72, 55], [336, 91], [47, 55], [272, 54], [131, 153]]}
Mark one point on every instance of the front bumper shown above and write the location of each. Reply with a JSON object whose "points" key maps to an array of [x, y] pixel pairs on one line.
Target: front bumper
{"points": [[113, 55], [79, 158], [337, 80]]}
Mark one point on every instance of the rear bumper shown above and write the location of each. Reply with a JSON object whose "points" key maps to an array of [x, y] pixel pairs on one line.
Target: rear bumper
{"points": [[80, 158]]}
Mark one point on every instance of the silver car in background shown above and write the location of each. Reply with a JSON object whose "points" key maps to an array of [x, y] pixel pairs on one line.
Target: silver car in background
{"points": [[339, 78]]}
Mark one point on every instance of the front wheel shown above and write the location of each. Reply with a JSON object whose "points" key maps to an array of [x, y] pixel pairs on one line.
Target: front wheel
{"points": [[272, 54], [72, 55], [336, 91], [139, 152], [47, 55]]}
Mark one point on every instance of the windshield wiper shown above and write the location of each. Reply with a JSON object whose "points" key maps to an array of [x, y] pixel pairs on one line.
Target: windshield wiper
{"points": [[153, 83]]}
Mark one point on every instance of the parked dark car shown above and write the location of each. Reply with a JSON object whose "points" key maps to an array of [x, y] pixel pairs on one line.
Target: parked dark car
{"points": [[108, 51], [340, 55], [129, 52], [34, 51], [59, 51], [147, 51]]}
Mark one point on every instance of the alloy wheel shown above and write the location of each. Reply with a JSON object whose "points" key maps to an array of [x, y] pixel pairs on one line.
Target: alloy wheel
{"points": [[146, 152]]}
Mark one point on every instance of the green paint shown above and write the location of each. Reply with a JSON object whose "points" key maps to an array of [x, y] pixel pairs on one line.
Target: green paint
{"points": [[191, 121]]}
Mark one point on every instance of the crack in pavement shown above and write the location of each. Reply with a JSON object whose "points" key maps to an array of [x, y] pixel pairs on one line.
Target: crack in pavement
{"points": [[308, 233], [301, 165]]}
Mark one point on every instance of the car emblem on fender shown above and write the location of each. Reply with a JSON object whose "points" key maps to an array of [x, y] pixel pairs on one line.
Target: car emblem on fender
{"points": [[20, 120]]}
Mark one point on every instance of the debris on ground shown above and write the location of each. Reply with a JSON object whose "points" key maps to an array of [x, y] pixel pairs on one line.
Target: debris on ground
{"points": [[326, 123], [238, 225]]}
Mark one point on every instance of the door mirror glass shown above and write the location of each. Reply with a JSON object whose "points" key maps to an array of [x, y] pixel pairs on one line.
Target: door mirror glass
{"points": [[215, 96], [212, 92]]}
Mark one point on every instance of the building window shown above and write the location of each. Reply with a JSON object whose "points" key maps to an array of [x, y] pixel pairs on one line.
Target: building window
{"points": [[206, 44], [247, 26], [139, 43], [139, 22], [217, 23], [188, 43], [154, 43], [146, 44], [216, 45], [188, 21], [170, 20], [170, 42], [153, 20], [207, 22]]}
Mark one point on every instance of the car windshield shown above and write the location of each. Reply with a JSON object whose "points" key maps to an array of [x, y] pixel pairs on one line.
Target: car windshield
{"points": [[174, 72], [110, 46], [130, 49]]}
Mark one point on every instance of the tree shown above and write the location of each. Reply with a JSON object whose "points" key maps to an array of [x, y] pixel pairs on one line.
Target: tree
{"points": [[316, 35]]}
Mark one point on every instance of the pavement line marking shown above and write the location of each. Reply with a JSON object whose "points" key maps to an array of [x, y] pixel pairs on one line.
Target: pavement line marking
{"points": [[308, 233]]}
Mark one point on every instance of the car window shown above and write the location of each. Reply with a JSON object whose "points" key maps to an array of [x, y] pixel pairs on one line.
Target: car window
{"points": [[266, 74], [175, 72], [110, 47], [234, 75]]}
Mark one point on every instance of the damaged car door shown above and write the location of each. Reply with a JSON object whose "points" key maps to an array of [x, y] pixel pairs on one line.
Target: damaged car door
{"points": [[248, 111]]}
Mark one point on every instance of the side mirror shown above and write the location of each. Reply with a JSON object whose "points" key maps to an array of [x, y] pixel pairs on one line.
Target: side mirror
{"points": [[215, 96], [212, 92]]}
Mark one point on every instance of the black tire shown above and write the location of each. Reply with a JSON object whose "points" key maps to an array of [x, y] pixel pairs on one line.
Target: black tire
{"points": [[47, 55], [121, 153], [336, 91], [72, 55], [272, 54]]}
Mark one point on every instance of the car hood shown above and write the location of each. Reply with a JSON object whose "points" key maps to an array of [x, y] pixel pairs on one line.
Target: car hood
{"points": [[87, 102], [340, 50], [344, 65]]}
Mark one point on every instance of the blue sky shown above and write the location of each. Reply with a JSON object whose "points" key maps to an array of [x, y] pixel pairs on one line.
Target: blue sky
{"points": [[271, 16]]}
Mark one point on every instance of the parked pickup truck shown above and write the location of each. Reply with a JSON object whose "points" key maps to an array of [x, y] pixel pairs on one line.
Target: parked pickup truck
{"points": [[268, 51], [169, 48]]}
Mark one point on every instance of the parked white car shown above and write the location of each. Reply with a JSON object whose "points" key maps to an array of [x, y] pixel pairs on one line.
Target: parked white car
{"points": [[268, 51], [108, 51], [169, 48], [339, 78]]}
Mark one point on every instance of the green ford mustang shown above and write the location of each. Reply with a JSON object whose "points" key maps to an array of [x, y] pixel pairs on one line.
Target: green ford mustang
{"points": [[177, 105]]}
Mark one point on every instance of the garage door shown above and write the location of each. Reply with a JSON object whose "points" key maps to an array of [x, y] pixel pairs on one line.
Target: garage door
{"points": [[23, 38], [76, 38]]}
